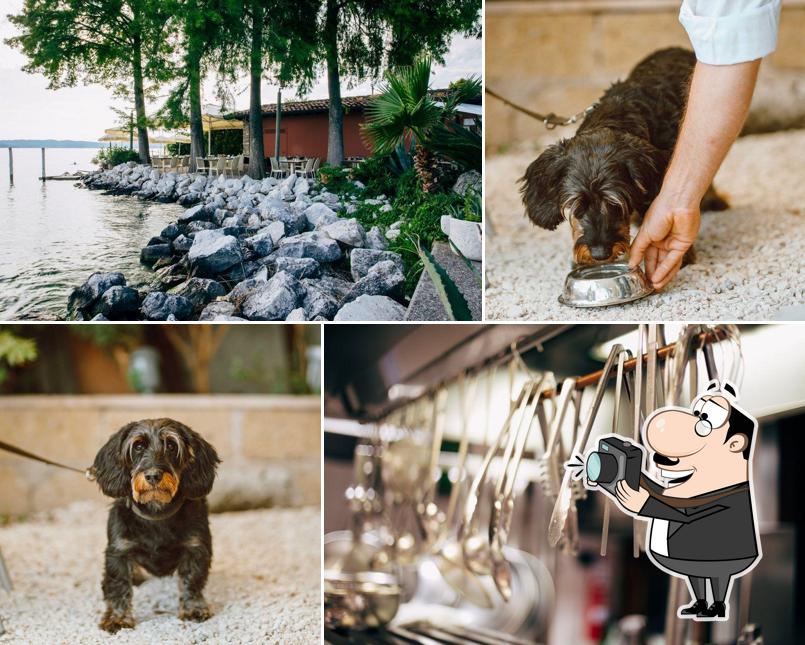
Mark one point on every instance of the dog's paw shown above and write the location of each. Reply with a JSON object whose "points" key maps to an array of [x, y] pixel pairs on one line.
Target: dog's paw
{"points": [[195, 610], [112, 622]]}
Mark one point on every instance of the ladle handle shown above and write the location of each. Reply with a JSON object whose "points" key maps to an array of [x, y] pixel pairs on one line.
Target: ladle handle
{"points": [[471, 504]]}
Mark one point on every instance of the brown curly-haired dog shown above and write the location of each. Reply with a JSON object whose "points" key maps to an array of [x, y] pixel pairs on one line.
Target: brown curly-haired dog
{"points": [[612, 168], [159, 471]]}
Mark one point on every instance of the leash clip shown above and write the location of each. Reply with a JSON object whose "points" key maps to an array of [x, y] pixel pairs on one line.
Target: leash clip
{"points": [[90, 474]]}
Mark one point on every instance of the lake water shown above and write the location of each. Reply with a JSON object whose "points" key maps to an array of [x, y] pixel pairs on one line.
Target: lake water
{"points": [[53, 235]]}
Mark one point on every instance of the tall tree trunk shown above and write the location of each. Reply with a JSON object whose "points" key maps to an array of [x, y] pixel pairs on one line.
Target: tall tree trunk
{"points": [[257, 164], [194, 82], [335, 138], [139, 102]]}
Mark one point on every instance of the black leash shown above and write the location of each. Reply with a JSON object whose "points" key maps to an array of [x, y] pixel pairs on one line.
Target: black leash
{"points": [[549, 120], [89, 473]]}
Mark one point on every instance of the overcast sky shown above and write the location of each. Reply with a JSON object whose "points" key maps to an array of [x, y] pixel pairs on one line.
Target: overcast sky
{"points": [[28, 110]]}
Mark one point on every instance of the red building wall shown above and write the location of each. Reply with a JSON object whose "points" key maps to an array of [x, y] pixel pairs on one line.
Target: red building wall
{"points": [[305, 135]]}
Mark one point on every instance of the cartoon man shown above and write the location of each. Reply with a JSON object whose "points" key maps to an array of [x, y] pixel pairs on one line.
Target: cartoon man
{"points": [[702, 524]]}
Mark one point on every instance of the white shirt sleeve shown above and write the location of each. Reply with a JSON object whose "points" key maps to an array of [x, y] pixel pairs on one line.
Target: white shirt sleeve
{"points": [[726, 32]]}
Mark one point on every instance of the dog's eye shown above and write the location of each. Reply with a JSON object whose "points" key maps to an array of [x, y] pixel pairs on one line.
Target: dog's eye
{"points": [[138, 446], [172, 447]]}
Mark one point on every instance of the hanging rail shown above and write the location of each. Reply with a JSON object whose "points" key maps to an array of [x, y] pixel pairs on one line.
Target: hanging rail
{"points": [[714, 335]]}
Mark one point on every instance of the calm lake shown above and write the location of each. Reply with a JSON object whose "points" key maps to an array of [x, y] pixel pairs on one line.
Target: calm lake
{"points": [[53, 235]]}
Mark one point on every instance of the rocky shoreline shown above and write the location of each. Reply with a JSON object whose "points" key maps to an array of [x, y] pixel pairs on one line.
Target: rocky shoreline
{"points": [[245, 249]]}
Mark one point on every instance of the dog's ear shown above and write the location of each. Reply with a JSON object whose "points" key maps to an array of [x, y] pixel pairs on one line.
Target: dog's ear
{"points": [[541, 186], [645, 165], [109, 466], [202, 460]]}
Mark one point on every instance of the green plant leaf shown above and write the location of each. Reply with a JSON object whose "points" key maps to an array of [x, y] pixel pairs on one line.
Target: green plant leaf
{"points": [[15, 350], [452, 299]]}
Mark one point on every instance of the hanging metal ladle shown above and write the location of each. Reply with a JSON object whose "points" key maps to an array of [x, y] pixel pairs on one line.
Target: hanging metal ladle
{"points": [[565, 494], [448, 557], [500, 522], [474, 546]]}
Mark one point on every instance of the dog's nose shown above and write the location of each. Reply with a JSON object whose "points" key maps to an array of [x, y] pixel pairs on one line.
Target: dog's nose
{"points": [[153, 476], [600, 252]]}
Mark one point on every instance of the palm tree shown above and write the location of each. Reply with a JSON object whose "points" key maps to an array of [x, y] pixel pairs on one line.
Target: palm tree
{"points": [[405, 113]]}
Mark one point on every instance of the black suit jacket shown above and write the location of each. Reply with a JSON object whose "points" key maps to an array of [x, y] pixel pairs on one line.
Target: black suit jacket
{"points": [[722, 527]]}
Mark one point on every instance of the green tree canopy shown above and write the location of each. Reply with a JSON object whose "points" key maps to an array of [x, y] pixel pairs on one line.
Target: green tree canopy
{"points": [[361, 37], [96, 41]]}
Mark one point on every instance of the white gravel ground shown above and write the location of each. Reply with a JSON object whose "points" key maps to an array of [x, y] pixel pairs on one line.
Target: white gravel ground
{"points": [[749, 264], [263, 588]]}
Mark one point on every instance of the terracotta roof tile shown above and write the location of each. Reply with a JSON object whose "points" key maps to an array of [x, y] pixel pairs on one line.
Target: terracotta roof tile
{"points": [[316, 106]]}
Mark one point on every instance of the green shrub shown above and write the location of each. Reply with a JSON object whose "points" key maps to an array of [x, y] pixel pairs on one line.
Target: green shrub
{"points": [[470, 208], [338, 180], [421, 215], [178, 149], [375, 173], [116, 155], [226, 142], [420, 212]]}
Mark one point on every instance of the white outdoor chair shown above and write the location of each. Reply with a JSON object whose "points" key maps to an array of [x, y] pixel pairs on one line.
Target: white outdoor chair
{"points": [[276, 168], [308, 169]]}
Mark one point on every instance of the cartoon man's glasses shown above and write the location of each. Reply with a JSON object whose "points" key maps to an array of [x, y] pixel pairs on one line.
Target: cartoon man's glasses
{"points": [[711, 415]]}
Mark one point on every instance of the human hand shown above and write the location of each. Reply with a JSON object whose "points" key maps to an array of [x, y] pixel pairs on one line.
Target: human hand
{"points": [[668, 231], [632, 500]]}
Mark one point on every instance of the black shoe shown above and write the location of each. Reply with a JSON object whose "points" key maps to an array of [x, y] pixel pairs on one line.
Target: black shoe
{"points": [[716, 610], [695, 608]]}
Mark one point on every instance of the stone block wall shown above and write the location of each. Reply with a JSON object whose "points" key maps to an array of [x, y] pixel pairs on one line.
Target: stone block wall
{"points": [[270, 445], [559, 56]]}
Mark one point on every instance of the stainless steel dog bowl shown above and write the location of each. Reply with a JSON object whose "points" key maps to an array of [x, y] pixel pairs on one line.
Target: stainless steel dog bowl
{"points": [[600, 285]]}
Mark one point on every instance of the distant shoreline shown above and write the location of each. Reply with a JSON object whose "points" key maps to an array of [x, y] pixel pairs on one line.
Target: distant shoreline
{"points": [[48, 143]]}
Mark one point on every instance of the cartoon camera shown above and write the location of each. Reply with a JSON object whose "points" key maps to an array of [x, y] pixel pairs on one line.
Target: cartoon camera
{"points": [[615, 459]]}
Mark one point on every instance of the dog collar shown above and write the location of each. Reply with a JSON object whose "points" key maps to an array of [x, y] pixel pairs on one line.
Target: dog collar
{"points": [[161, 516]]}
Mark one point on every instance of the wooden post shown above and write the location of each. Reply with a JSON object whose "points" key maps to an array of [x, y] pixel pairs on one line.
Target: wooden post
{"points": [[11, 166], [43, 165]]}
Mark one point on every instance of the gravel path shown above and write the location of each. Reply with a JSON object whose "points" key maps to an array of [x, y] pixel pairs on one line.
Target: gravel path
{"points": [[263, 588], [749, 258]]}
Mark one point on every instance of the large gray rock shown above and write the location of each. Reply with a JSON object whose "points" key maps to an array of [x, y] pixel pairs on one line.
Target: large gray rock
{"points": [[213, 254], [84, 297], [384, 279], [297, 315], [299, 267], [262, 243], [215, 310], [246, 288], [319, 303], [314, 245], [335, 286], [277, 231], [182, 244], [371, 308], [118, 303], [195, 227], [375, 239], [199, 292], [278, 298], [470, 180], [198, 213], [294, 221], [316, 212], [170, 232], [361, 260], [346, 231], [151, 254], [158, 306]]}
